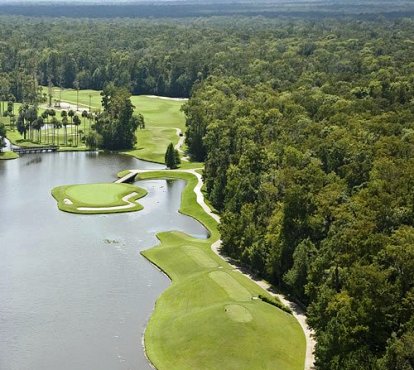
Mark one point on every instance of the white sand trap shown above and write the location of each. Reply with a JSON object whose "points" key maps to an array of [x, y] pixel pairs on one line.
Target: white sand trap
{"points": [[166, 98]]}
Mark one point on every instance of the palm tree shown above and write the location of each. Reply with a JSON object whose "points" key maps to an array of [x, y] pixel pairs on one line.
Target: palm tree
{"points": [[45, 116], [21, 121], [76, 122], [64, 116], [30, 116], [56, 126], [71, 114], [65, 125], [84, 116], [52, 113], [38, 123]]}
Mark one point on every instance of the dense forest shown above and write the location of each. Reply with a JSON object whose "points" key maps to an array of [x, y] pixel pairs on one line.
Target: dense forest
{"points": [[309, 155], [203, 8], [307, 132]]}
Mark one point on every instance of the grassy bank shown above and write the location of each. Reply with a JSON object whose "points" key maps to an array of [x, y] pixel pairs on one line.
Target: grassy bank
{"points": [[211, 317], [8, 155]]}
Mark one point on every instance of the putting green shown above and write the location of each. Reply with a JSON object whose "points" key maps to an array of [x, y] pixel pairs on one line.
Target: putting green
{"points": [[98, 198]]}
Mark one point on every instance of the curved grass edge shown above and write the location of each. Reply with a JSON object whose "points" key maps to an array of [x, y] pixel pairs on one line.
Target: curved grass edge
{"points": [[59, 193], [8, 156], [188, 205], [159, 255]]}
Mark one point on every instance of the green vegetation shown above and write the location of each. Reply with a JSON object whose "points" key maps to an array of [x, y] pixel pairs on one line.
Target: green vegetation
{"points": [[162, 118], [116, 125], [210, 313], [306, 129], [98, 198], [172, 157], [151, 143], [8, 155], [312, 174]]}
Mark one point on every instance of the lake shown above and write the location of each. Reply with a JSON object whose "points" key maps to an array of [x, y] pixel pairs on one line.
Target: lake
{"points": [[75, 293]]}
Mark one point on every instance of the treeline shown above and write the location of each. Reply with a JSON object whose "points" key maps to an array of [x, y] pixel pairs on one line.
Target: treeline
{"points": [[168, 57], [309, 156], [181, 9]]}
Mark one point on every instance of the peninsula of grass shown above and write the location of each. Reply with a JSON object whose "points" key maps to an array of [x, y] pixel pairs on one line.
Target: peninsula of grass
{"points": [[8, 155], [98, 198], [213, 317]]}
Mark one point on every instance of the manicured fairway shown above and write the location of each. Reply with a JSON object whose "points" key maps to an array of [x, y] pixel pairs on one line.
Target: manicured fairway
{"points": [[211, 317], [162, 118], [98, 198]]}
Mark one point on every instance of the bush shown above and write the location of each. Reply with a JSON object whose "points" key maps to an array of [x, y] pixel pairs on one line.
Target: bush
{"points": [[275, 303]]}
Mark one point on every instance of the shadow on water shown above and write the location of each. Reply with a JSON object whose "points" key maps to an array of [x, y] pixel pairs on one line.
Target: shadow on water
{"points": [[75, 293], [34, 160]]}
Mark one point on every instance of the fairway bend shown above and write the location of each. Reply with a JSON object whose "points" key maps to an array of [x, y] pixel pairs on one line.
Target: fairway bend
{"points": [[297, 312]]}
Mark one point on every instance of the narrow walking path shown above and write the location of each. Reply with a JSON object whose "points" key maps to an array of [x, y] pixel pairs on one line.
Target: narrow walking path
{"points": [[180, 143], [297, 312]]}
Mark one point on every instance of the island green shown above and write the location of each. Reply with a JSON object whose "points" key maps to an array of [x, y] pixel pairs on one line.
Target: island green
{"points": [[98, 198]]}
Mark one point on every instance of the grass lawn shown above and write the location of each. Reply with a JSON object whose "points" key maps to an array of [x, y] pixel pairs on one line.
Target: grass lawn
{"points": [[8, 155], [98, 198], [69, 95], [162, 118], [210, 317], [152, 143]]}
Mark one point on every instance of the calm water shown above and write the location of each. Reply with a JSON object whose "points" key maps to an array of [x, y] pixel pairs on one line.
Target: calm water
{"points": [[75, 293]]}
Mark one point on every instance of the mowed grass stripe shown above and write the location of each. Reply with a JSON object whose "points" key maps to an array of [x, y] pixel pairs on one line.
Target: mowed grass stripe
{"points": [[231, 286], [199, 256]]}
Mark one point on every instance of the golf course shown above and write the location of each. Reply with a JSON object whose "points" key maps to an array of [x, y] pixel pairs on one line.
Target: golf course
{"points": [[163, 120], [212, 316]]}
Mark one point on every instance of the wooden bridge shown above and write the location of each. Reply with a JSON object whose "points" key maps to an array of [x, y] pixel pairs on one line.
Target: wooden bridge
{"points": [[35, 149], [128, 178]]}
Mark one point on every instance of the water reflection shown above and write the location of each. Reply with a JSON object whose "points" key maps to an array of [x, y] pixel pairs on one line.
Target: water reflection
{"points": [[34, 160]]}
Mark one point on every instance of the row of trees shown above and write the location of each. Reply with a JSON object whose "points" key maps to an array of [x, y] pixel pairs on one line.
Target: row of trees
{"points": [[45, 127], [311, 164]]}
